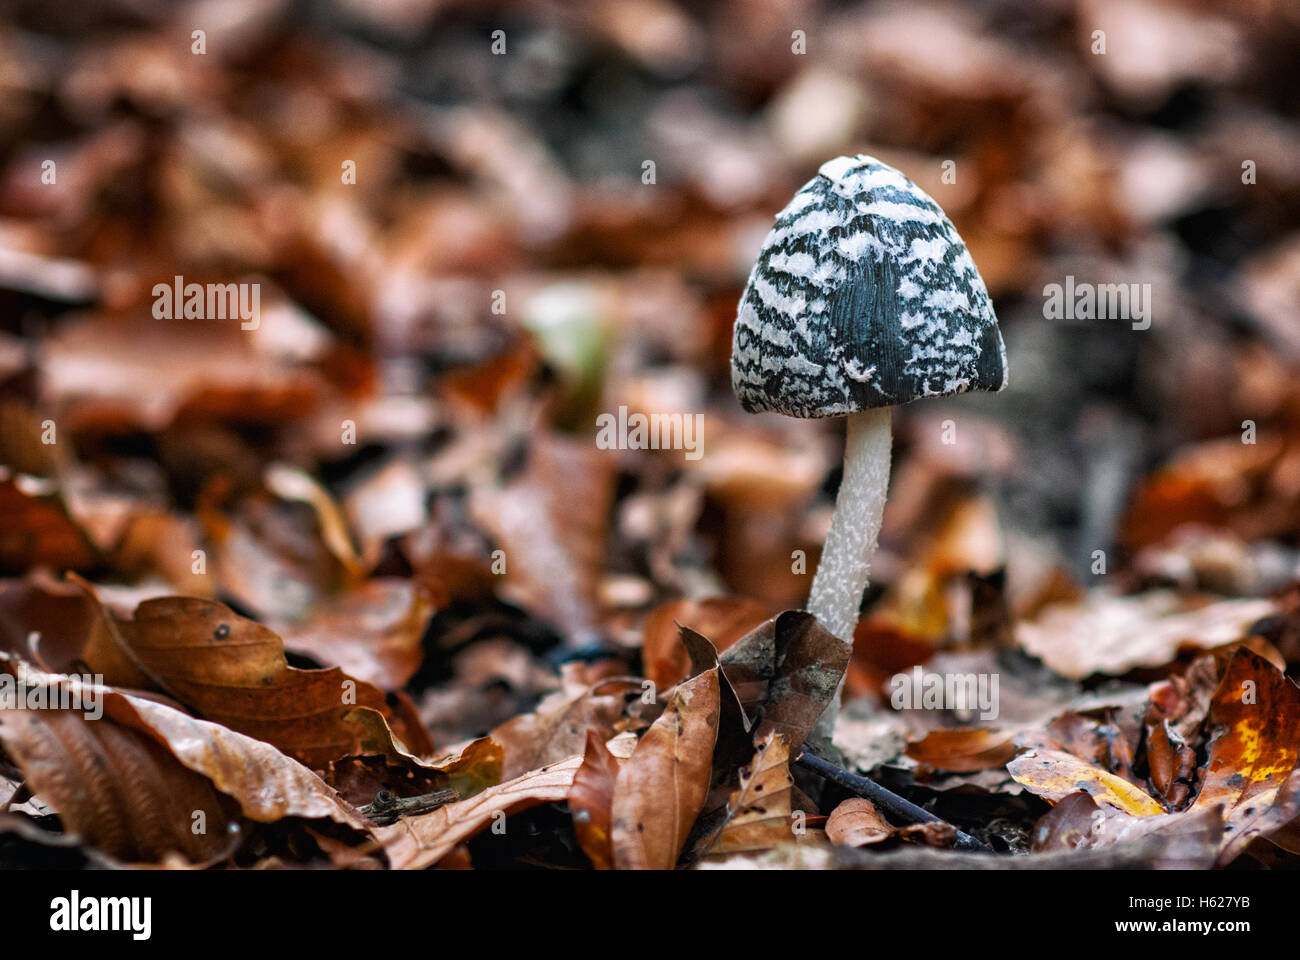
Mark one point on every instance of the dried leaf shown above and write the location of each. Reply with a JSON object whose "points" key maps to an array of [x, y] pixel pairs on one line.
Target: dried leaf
{"points": [[759, 813], [38, 530], [552, 523], [724, 620], [233, 671], [857, 823], [131, 782], [374, 632], [965, 749], [418, 842], [591, 802], [1054, 775], [661, 788], [1112, 634], [1258, 709], [785, 672]]}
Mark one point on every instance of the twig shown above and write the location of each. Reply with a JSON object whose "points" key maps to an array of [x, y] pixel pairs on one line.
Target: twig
{"points": [[387, 808], [887, 800]]}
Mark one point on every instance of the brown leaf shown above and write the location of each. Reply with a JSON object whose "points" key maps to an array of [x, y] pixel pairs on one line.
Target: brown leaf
{"points": [[1258, 709], [477, 767], [115, 787], [417, 842], [97, 369], [931, 833], [551, 522], [965, 749], [233, 671], [759, 813], [591, 800], [661, 788], [810, 662], [553, 731], [47, 622], [1250, 782], [290, 484], [857, 823], [785, 673], [130, 782], [38, 530], [1113, 634], [1077, 822], [373, 632], [724, 620]]}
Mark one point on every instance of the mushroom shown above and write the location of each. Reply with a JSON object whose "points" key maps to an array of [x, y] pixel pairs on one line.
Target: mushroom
{"points": [[863, 297]]}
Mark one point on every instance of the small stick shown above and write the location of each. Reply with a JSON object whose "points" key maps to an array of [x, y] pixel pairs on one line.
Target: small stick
{"points": [[387, 808], [885, 799]]}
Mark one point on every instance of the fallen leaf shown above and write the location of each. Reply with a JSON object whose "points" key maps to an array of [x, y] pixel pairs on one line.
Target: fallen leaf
{"points": [[857, 823], [724, 620], [374, 632], [131, 782], [1258, 708], [965, 749], [417, 842], [558, 727], [785, 672], [1054, 775], [233, 671], [551, 522], [1112, 634], [661, 788], [759, 812], [37, 528], [591, 800]]}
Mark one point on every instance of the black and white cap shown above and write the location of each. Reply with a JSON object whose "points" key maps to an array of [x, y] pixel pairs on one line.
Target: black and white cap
{"points": [[863, 296]]}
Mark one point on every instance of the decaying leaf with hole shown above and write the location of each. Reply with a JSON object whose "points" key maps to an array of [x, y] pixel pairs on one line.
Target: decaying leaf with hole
{"points": [[759, 814]]}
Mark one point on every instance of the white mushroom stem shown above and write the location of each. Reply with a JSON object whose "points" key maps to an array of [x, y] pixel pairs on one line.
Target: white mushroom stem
{"points": [[841, 576]]}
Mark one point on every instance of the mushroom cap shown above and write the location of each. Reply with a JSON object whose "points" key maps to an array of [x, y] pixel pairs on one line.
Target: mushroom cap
{"points": [[863, 296]]}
